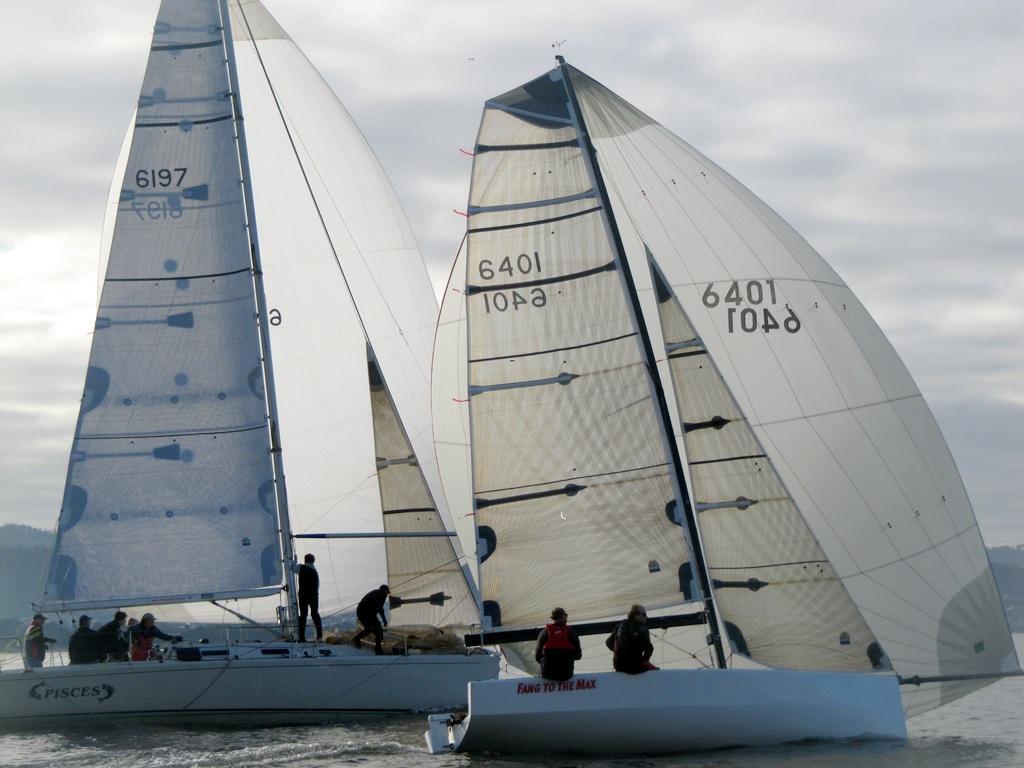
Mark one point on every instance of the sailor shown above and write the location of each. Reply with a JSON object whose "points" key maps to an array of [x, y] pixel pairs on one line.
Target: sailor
{"points": [[144, 633], [369, 608], [84, 645], [309, 597], [34, 648], [558, 648], [630, 643], [114, 639]]}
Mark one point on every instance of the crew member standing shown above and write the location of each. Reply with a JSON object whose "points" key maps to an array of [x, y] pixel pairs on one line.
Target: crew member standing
{"points": [[369, 608], [558, 648], [34, 648], [84, 644], [309, 597]]}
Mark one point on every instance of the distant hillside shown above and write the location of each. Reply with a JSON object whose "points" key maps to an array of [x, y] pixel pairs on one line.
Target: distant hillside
{"points": [[13, 535], [21, 578]]}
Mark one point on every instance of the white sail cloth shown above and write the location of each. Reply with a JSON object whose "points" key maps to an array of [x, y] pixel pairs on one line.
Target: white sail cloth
{"points": [[825, 394], [170, 486], [342, 270]]}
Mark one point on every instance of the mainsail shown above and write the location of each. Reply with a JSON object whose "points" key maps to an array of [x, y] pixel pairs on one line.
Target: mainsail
{"points": [[170, 491], [180, 297], [828, 400], [576, 495]]}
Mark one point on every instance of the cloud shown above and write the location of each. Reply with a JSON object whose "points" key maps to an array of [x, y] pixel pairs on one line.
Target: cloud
{"points": [[888, 135]]}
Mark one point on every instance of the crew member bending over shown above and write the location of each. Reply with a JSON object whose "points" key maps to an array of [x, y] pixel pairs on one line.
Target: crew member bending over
{"points": [[369, 608]]}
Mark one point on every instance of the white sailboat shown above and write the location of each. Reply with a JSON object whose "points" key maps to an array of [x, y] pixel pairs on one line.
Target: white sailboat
{"points": [[658, 392], [176, 486]]}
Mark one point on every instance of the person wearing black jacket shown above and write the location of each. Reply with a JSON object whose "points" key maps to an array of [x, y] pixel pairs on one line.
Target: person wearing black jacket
{"points": [[309, 597], [84, 645], [630, 643], [113, 638], [369, 608]]}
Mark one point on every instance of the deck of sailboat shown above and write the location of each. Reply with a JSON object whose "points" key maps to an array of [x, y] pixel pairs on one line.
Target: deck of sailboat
{"points": [[250, 684]]}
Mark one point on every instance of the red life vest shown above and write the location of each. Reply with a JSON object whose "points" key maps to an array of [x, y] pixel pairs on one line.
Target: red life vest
{"points": [[141, 648], [558, 638]]}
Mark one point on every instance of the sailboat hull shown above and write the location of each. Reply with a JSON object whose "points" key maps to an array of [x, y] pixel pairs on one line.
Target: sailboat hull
{"points": [[248, 688], [671, 711]]}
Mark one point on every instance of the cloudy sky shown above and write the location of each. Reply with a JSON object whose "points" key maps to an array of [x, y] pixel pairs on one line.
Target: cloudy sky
{"points": [[889, 134]]}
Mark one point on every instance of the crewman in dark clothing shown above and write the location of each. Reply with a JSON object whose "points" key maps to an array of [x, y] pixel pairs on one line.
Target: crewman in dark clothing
{"points": [[369, 608], [630, 643], [144, 633], [84, 644], [309, 597], [114, 639], [558, 648]]}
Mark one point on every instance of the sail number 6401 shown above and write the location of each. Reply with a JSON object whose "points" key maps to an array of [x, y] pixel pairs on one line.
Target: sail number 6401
{"points": [[752, 318]]}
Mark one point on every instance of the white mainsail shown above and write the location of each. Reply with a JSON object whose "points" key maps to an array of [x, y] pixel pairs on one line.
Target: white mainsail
{"points": [[343, 274], [827, 398], [170, 490], [575, 487]]}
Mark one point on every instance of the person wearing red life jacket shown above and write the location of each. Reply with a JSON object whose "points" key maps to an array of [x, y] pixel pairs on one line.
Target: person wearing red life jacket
{"points": [[558, 648], [144, 634]]}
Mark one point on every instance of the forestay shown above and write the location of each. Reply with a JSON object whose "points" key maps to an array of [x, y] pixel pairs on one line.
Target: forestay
{"points": [[170, 490], [573, 482], [827, 398], [342, 271]]}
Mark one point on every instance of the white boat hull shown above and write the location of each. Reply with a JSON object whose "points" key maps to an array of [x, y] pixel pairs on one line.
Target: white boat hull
{"points": [[671, 711], [248, 687]]}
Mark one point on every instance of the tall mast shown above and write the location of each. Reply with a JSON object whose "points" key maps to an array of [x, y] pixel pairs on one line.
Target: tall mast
{"points": [[284, 524], [678, 482]]}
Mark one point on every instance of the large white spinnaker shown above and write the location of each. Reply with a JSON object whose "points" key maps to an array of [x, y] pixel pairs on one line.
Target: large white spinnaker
{"points": [[826, 396], [170, 490], [575, 487], [343, 273]]}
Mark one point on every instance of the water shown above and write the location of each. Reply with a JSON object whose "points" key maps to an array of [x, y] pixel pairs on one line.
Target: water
{"points": [[980, 731]]}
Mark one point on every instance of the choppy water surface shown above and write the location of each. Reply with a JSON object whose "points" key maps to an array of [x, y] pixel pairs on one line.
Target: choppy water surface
{"points": [[983, 730]]}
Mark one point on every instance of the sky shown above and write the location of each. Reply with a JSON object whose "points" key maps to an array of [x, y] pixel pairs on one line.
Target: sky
{"points": [[888, 134]]}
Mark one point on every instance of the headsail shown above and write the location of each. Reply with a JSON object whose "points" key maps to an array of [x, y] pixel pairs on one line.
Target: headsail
{"points": [[343, 275], [574, 485], [826, 396], [780, 599], [170, 490]]}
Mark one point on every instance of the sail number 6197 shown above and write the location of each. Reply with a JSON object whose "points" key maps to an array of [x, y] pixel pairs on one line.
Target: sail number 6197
{"points": [[753, 317]]}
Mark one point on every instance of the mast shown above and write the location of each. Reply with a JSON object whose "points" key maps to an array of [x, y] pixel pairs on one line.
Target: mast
{"points": [[284, 525], [652, 368]]}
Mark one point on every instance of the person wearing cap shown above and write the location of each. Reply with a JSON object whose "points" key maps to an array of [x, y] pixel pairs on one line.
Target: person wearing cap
{"points": [[34, 648], [630, 643], [84, 645], [114, 639], [144, 633], [558, 648], [309, 597], [369, 608]]}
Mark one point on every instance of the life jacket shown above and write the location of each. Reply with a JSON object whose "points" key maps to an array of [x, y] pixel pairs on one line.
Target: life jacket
{"points": [[558, 638], [35, 648], [142, 647]]}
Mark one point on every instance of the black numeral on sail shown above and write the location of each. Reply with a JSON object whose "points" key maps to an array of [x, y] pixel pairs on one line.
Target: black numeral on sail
{"points": [[160, 177], [753, 317], [749, 320], [523, 264], [502, 301]]}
